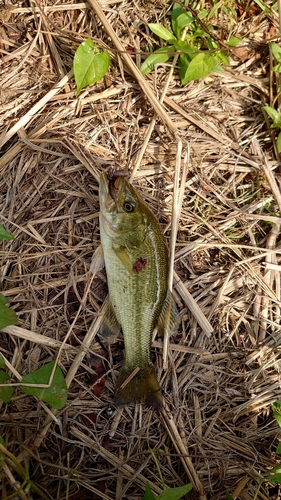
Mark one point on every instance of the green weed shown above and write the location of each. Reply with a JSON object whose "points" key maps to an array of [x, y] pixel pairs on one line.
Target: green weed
{"points": [[200, 50]]}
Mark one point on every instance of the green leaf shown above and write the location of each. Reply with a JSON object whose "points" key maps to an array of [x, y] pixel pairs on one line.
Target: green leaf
{"points": [[89, 64], [148, 493], [185, 48], [7, 315], [274, 115], [276, 51], [263, 7], [221, 54], [181, 21], [203, 13], [276, 408], [162, 32], [2, 456], [5, 392], [161, 55], [175, 493], [275, 478], [277, 68], [228, 496], [4, 235], [56, 394], [278, 449], [176, 12], [200, 66], [233, 42]]}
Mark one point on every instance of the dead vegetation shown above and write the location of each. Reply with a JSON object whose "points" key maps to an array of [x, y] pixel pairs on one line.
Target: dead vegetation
{"points": [[217, 429]]}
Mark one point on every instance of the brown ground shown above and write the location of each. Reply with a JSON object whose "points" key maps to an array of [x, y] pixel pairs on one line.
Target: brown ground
{"points": [[217, 429]]}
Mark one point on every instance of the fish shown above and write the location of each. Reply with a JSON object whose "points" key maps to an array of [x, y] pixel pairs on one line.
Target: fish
{"points": [[136, 262]]}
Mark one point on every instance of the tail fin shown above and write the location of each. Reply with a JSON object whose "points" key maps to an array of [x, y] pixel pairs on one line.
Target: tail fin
{"points": [[141, 387]]}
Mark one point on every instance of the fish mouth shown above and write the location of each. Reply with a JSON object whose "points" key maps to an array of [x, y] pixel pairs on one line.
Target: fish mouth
{"points": [[114, 179], [112, 186]]}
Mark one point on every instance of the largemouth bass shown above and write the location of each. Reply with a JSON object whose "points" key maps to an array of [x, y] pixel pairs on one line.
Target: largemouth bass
{"points": [[136, 262]]}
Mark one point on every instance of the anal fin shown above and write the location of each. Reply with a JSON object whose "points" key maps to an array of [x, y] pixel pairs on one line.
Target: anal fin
{"points": [[168, 320], [110, 328]]}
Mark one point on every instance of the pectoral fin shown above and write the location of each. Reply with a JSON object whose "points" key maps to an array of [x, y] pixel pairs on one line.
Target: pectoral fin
{"points": [[97, 261], [168, 320], [123, 256], [110, 328]]}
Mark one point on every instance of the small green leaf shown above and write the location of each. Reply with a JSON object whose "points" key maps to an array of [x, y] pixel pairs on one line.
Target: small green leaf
{"points": [[200, 66], [148, 493], [175, 493], [5, 392], [181, 21], [228, 496], [275, 478], [176, 12], [4, 235], [276, 51], [2, 456], [274, 115], [203, 13], [89, 64], [278, 449], [7, 315], [233, 42], [162, 32], [185, 48], [56, 394], [277, 68], [221, 54], [276, 408], [161, 55]]}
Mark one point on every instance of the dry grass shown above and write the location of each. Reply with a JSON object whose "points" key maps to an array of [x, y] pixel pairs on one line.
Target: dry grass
{"points": [[217, 429]]}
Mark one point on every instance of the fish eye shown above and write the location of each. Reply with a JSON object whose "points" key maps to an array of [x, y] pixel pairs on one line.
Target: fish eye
{"points": [[128, 206]]}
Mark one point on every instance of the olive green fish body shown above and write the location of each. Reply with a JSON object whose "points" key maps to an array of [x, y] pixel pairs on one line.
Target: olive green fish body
{"points": [[136, 262]]}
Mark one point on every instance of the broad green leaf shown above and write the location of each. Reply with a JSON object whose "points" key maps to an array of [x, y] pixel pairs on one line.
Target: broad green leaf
{"points": [[161, 55], [233, 42], [276, 51], [278, 449], [175, 493], [5, 392], [278, 144], [162, 32], [4, 235], [200, 66], [181, 21], [7, 315], [2, 456], [274, 115], [2, 361], [148, 493], [89, 64], [56, 394]]}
